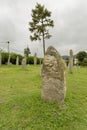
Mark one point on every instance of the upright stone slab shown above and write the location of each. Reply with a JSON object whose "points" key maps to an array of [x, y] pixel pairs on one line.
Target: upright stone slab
{"points": [[17, 60], [35, 59], [71, 62], [53, 76], [24, 63]]}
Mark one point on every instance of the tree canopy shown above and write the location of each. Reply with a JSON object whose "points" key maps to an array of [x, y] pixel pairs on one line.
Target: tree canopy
{"points": [[39, 26], [81, 55], [27, 51]]}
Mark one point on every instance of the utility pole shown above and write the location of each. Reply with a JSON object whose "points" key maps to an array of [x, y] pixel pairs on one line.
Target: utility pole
{"points": [[8, 46], [8, 50], [8, 53]]}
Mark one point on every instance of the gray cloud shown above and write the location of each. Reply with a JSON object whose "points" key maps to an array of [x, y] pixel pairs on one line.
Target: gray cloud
{"points": [[70, 18]]}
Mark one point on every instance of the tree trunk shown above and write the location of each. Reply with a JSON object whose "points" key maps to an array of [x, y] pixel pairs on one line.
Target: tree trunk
{"points": [[43, 44]]}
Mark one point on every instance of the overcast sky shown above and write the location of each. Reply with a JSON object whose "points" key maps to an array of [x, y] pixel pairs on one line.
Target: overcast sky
{"points": [[69, 32]]}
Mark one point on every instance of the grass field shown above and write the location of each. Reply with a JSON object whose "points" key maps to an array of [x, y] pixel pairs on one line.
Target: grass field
{"points": [[21, 107]]}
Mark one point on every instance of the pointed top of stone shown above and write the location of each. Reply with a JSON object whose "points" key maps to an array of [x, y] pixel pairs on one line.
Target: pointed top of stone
{"points": [[71, 52], [53, 52]]}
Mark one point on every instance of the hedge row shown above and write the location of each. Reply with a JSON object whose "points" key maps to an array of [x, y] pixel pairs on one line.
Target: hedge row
{"points": [[13, 56]]}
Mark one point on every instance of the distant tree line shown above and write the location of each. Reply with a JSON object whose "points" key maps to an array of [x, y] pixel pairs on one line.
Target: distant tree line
{"points": [[40, 24], [81, 56], [13, 56]]}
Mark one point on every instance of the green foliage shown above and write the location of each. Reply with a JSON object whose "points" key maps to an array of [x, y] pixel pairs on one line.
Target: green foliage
{"points": [[38, 60], [27, 51], [20, 58], [14, 56], [40, 23], [21, 107], [4, 57], [66, 58], [84, 62], [81, 55], [12, 59], [30, 60]]}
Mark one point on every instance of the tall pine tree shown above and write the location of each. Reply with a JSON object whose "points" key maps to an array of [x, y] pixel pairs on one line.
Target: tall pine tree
{"points": [[39, 26]]}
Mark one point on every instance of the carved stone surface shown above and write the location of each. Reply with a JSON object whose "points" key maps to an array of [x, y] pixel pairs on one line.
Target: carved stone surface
{"points": [[53, 76]]}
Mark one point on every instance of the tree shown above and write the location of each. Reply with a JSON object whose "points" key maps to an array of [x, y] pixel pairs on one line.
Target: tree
{"points": [[81, 55], [40, 23], [27, 51], [84, 63]]}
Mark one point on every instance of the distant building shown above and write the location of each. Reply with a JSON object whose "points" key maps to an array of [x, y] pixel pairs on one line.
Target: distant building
{"points": [[75, 61]]}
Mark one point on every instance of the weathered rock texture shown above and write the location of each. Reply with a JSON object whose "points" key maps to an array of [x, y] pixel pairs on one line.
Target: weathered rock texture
{"points": [[71, 62], [24, 63], [53, 76], [17, 60]]}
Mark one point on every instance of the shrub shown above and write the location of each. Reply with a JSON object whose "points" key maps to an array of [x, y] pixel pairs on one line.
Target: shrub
{"points": [[30, 60], [4, 57], [13, 57], [84, 63]]}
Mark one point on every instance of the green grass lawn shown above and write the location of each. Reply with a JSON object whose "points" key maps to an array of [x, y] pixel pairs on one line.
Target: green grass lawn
{"points": [[21, 107]]}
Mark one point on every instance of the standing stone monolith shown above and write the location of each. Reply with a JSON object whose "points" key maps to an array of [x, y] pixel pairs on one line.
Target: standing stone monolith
{"points": [[24, 63], [71, 62], [53, 76], [35, 58], [40, 61], [17, 60]]}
